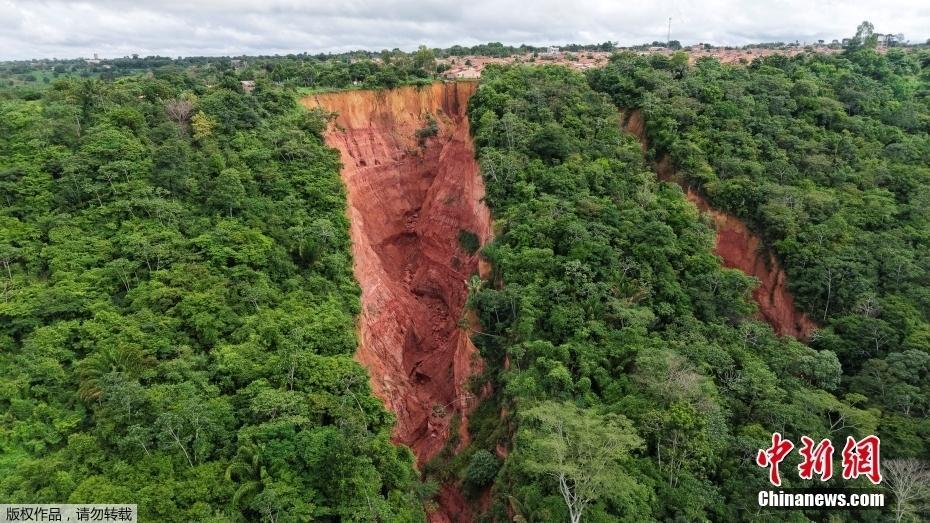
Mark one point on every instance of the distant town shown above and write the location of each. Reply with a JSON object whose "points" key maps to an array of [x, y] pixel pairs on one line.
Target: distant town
{"points": [[452, 63]]}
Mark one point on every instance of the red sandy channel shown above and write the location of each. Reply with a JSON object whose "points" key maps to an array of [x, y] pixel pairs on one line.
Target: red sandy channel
{"points": [[408, 201]]}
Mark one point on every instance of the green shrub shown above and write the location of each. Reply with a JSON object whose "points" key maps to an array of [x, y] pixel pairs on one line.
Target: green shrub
{"points": [[469, 241], [429, 130], [481, 471]]}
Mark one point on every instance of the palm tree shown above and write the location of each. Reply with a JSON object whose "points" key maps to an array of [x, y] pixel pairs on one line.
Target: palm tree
{"points": [[123, 359], [247, 469]]}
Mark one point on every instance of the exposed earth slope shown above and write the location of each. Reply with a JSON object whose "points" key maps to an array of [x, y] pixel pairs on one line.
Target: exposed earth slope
{"points": [[410, 199], [741, 249]]}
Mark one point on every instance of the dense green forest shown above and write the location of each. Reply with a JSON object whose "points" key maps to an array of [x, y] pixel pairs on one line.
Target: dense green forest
{"points": [[828, 158], [623, 356], [177, 318]]}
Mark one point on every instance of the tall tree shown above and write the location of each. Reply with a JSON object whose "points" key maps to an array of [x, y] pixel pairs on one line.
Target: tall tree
{"points": [[581, 449], [909, 480]]}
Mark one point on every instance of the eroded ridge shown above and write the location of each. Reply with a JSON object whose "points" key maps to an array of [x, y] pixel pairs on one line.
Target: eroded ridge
{"points": [[410, 198]]}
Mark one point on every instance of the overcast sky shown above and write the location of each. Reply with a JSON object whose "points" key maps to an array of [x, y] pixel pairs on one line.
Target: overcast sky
{"points": [[114, 28]]}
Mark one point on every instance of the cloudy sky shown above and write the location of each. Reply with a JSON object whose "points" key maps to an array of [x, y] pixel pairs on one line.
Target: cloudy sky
{"points": [[113, 28]]}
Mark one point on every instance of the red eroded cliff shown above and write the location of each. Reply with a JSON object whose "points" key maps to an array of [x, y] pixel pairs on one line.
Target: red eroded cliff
{"points": [[409, 199], [741, 249]]}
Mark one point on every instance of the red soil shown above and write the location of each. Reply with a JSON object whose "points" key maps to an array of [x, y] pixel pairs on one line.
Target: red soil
{"points": [[452, 507], [741, 249], [407, 205]]}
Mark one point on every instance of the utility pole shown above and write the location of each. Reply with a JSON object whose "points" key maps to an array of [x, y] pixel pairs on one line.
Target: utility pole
{"points": [[668, 35]]}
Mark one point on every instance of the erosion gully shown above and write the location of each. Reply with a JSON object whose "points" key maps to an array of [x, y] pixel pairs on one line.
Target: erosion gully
{"points": [[739, 248], [409, 198]]}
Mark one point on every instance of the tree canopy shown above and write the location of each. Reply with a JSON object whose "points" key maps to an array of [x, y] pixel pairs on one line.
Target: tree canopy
{"points": [[177, 320], [608, 314], [826, 157]]}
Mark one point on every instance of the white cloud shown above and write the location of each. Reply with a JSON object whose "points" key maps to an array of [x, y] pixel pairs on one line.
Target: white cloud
{"points": [[65, 28]]}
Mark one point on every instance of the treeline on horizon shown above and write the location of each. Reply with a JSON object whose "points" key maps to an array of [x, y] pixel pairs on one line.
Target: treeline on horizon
{"points": [[379, 69], [374, 69]]}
